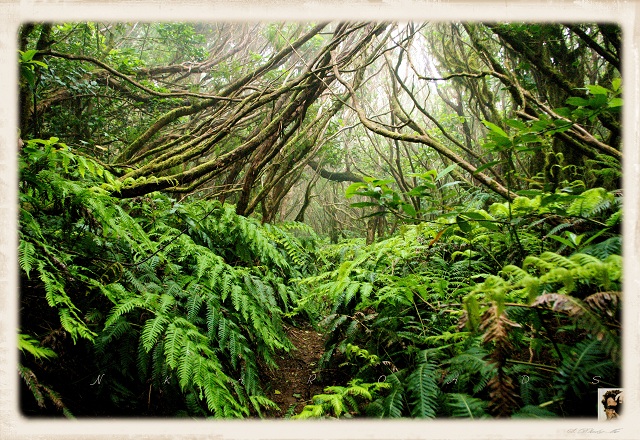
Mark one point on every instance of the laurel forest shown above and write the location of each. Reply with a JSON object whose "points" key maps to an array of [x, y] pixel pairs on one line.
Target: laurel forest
{"points": [[319, 220]]}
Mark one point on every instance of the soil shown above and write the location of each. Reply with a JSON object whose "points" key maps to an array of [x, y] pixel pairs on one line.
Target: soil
{"points": [[296, 380]]}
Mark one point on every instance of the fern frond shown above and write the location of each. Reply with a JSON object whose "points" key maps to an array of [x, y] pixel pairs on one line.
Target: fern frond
{"points": [[26, 256], [123, 308], [533, 412], [607, 302], [502, 391], [423, 387], [332, 322], [393, 404], [74, 325], [610, 246], [310, 411], [32, 383], [333, 401], [173, 343], [260, 402], [194, 304], [496, 325], [186, 363], [585, 317], [591, 202], [582, 362], [463, 405], [142, 362], [560, 227], [115, 331], [28, 344], [39, 391], [358, 390], [151, 331]]}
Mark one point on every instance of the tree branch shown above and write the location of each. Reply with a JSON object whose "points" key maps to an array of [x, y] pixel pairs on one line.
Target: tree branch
{"points": [[335, 176], [425, 140], [132, 81]]}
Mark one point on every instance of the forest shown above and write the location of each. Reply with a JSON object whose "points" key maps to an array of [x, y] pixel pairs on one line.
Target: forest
{"points": [[335, 220]]}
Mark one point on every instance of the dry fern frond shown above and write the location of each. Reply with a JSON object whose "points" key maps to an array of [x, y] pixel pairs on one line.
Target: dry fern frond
{"points": [[607, 302], [585, 315], [502, 390], [504, 399], [496, 327]]}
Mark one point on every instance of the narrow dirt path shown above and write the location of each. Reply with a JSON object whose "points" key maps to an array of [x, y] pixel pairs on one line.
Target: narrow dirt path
{"points": [[293, 384]]}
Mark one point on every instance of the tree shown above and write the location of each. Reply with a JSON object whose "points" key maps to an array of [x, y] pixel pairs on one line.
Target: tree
{"points": [[459, 185], [260, 118]]}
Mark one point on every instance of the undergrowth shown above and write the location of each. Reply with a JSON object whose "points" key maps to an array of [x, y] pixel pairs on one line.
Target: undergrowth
{"points": [[455, 332], [180, 306]]}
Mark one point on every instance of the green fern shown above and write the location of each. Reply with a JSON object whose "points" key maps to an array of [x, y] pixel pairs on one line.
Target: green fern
{"points": [[393, 404], [151, 331], [465, 406], [339, 401], [422, 384], [581, 363], [26, 256], [28, 344], [591, 203], [123, 308], [533, 412]]}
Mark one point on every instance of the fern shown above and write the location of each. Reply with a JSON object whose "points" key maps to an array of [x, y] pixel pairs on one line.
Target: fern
{"points": [[32, 346], [533, 412], [423, 388], [602, 250], [581, 363], [471, 369], [463, 405], [115, 331], [123, 308], [193, 296], [339, 401], [39, 391], [26, 256], [585, 316], [591, 203], [261, 402], [151, 331], [393, 404]]}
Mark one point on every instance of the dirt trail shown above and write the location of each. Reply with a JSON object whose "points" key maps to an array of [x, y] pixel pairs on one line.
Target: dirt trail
{"points": [[293, 384]]}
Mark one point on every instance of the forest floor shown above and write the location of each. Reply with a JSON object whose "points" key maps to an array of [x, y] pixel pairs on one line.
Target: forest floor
{"points": [[296, 380]]}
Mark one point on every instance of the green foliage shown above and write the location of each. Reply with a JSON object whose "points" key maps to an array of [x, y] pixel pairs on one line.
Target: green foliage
{"points": [[534, 412], [29, 67], [30, 345], [498, 230], [583, 362], [422, 384], [193, 297], [396, 308], [465, 406], [341, 401], [402, 205]]}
